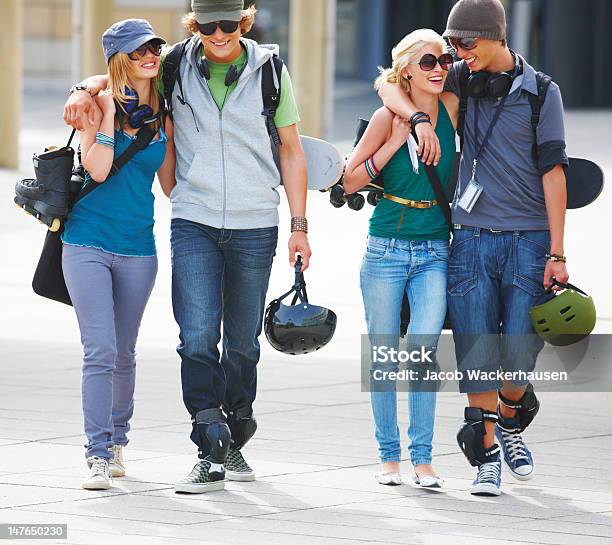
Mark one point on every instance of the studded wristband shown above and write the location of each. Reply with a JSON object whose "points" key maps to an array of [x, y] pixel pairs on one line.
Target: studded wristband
{"points": [[299, 224]]}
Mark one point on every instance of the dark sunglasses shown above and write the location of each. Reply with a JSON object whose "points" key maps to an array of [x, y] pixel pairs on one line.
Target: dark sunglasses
{"points": [[429, 61], [228, 27], [154, 46], [464, 43]]}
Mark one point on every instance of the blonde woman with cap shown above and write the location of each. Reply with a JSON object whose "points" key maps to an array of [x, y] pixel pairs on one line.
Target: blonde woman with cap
{"points": [[109, 255]]}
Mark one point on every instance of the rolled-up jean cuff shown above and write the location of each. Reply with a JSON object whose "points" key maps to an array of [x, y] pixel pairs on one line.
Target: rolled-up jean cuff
{"points": [[518, 382], [421, 461], [390, 459], [471, 386]]}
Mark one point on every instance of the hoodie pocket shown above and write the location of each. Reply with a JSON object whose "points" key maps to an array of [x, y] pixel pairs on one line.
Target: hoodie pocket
{"points": [[204, 181], [251, 180]]}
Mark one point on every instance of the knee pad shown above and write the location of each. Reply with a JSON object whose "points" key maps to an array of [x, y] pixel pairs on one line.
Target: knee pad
{"points": [[213, 430], [471, 436], [242, 425], [526, 408]]}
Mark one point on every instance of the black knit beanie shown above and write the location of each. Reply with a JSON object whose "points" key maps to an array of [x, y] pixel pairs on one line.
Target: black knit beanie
{"points": [[484, 19]]}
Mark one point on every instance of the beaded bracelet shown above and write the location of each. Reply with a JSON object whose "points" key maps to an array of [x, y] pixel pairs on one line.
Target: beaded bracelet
{"points": [[371, 168], [299, 224], [105, 140]]}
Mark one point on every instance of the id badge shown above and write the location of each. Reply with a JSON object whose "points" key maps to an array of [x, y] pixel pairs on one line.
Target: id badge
{"points": [[470, 196]]}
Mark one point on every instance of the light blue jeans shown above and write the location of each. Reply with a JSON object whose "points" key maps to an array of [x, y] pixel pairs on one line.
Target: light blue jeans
{"points": [[109, 293], [389, 268]]}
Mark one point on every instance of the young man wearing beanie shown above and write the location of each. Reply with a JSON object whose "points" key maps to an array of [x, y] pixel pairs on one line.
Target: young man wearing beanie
{"points": [[508, 215], [224, 225]]}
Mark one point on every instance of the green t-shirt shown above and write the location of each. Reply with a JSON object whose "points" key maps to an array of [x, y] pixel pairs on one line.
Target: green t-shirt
{"points": [[287, 111], [393, 220]]}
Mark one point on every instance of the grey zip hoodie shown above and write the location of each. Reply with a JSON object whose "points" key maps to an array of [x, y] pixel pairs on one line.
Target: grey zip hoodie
{"points": [[225, 172]]}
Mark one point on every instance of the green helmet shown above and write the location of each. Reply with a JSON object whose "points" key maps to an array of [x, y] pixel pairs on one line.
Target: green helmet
{"points": [[566, 318]]}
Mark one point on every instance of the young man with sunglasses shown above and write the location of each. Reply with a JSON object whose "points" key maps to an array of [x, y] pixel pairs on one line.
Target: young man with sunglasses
{"points": [[224, 226], [508, 215]]}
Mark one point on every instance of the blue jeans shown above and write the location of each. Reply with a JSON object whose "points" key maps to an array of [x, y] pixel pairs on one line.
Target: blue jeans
{"points": [[494, 278], [109, 293], [389, 268], [219, 276]]}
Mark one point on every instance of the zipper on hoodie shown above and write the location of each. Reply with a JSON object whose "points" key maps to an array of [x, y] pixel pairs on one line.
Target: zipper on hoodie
{"points": [[223, 168]]}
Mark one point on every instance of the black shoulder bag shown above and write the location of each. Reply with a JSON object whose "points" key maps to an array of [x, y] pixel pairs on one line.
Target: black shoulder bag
{"points": [[48, 278], [442, 198]]}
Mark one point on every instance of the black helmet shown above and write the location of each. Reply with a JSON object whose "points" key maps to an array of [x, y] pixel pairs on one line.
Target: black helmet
{"points": [[301, 328]]}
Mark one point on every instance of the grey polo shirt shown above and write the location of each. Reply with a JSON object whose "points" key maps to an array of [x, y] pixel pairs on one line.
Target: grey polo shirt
{"points": [[513, 195]]}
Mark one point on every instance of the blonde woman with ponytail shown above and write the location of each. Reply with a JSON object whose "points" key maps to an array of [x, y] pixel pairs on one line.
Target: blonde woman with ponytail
{"points": [[407, 247], [109, 256]]}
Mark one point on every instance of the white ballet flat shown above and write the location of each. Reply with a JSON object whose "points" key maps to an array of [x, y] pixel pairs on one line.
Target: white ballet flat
{"points": [[428, 481], [389, 479]]}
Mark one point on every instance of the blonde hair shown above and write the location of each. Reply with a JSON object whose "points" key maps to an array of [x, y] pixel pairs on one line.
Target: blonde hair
{"points": [[402, 54], [121, 75], [248, 18]]}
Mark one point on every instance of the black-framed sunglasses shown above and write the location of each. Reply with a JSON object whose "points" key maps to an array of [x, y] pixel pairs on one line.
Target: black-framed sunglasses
{"points": [[429, 61], [228, 27], [464, 43], [154, 46]]}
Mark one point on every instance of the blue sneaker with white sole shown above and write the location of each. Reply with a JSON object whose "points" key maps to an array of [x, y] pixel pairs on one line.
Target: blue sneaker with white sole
{"points": [[488, 478], [517, 456]]}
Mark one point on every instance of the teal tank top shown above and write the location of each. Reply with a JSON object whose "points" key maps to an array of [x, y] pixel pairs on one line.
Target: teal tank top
{"points": [[117, 217], [394, 220]]}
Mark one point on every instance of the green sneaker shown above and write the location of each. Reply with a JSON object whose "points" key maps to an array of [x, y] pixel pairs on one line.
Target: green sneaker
{"points": [[236, 467], [205, 476]]}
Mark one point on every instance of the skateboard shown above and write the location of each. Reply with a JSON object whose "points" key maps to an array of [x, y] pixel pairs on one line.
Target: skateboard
{"points": [[324, 162], [584, 179], [585, 182]]}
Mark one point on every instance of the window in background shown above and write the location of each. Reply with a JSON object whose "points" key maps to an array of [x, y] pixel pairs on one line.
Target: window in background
{"points": [[272, 24]]}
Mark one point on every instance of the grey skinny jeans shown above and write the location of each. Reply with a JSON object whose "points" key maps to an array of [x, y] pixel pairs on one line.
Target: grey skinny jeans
{"points": [[109, 293]]}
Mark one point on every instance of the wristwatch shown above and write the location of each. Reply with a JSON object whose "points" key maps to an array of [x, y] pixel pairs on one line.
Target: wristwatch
{"points": [[80, 87]]}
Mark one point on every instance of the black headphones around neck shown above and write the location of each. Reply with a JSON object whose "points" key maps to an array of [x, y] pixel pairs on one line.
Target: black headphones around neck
{"points": [[232, 76], [492, 84]]}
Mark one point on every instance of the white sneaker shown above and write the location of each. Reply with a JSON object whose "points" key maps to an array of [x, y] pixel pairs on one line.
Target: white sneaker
{"points": [[99, 477], [116, 463]]}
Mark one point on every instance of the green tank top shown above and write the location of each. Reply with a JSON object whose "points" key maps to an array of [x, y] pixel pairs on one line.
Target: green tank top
{"points": [[394, 220]]}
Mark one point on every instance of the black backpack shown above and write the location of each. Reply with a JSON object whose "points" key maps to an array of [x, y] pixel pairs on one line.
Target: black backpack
{"points": [[536, 102], [269, 92]]}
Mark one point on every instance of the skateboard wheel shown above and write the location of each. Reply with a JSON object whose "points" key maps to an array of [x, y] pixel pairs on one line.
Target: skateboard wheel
{"points": [[336, 196], [355, 201], [55, 225], [374, 197]]}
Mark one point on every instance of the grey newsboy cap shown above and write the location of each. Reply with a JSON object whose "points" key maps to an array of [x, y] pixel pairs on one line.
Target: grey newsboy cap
{"points": [[127, 36], [207, 11], [484, 19]]}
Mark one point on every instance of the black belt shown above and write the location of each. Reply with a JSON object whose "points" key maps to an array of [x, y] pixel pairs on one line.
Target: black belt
{"points": [[457, 226]]}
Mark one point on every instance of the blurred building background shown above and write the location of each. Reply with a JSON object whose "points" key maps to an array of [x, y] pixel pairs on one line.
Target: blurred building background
{"points": [[564, 38], [332, 47]]}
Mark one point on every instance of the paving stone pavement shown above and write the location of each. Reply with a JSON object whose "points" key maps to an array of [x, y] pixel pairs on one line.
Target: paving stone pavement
{"points": [[314, 452]]}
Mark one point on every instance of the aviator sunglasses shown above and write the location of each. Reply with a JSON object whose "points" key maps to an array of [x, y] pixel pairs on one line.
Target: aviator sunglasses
{"points": [[464, 43], [227, 27], [154, 46], [428, 61]]}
